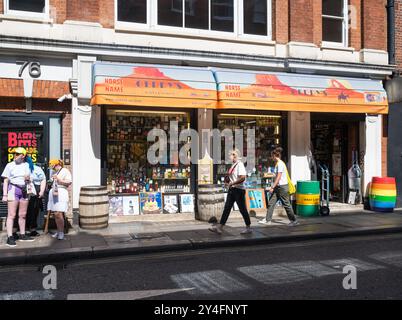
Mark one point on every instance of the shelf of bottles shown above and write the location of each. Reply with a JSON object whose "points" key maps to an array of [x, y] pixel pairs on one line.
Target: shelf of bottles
{"points": [[268, 134], [129, 171]]}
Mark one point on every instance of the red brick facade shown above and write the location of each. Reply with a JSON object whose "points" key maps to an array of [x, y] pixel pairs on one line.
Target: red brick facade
{"points": [[374, 24], [398, 33]]}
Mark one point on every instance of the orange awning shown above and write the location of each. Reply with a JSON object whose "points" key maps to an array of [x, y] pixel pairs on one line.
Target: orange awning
{"points": [[296, 92], [153, 86]]}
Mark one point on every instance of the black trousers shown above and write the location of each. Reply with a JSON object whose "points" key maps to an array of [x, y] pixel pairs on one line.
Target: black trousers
{"points": [[239, 196]]}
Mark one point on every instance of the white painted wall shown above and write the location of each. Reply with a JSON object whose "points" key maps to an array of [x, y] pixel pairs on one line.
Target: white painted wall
{"points": [[372, 158], [299, 138], [86, 153], [86, 148], [182, 39]]}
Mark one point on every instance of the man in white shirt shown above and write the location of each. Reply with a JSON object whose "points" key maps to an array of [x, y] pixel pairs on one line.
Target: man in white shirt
{"points": [[237, 193]]}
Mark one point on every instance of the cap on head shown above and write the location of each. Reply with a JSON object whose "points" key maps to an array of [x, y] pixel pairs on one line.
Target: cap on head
{"points": [[20, 150], [55, 162]]}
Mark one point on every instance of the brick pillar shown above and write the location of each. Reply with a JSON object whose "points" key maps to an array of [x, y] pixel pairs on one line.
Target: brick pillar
{"points": [[106, 13], [301, 21], [355, 24], [58, 10], [1, 6], [280, 30], [374, 14], [87, 11], [398, 33], [317, 22]]}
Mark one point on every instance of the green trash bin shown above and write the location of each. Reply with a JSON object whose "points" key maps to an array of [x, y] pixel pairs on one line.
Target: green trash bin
{"points": [[308, 198]]}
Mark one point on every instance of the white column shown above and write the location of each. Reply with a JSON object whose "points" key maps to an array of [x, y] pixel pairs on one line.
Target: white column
{"points": [[299, 139], [372, 158], [86, 155], [87, 148]]}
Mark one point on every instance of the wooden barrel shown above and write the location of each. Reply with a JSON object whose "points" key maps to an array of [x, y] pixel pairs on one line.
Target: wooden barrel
{"points": [[94, 208], [211, 201], [308, 198], [382, 194]]}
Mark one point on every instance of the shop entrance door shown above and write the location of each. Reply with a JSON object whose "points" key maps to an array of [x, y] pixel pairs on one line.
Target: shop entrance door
{"points": [[333, 144], [29, 132]]}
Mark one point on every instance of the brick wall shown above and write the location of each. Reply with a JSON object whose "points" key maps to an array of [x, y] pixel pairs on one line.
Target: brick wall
{"points": [[398, 33], [1, 6], [355, 28], [301, 20], [106, 13], [374, 16], [280, 28], [58, 10]]}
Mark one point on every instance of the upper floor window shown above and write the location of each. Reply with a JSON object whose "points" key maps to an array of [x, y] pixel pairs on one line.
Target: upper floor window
{"points": [[34, 8], [132, 11], [215, 15], [335, 21], [248, 17]]}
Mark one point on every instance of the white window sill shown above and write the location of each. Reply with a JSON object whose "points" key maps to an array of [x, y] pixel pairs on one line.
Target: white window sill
{"points": [[195, 34], [25, 18], [336, 46]]}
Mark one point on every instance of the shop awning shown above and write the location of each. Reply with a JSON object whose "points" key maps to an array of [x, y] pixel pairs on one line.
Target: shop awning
{"points": [[153, 86], [296, 92]]}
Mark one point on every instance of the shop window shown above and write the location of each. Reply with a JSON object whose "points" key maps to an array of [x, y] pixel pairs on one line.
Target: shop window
{"points": [[268, 136], [255, 13], [128, 168], [132, 11], [37, 8], [335, 21]]}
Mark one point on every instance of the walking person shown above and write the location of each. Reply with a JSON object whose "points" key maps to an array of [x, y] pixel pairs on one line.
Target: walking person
{"points": [[58, 202], [279, 190], [237, 193], [16, 176], [35, 205]]}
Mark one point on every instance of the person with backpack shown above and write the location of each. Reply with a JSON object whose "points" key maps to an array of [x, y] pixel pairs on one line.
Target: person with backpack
{"points": [[280, 190]]}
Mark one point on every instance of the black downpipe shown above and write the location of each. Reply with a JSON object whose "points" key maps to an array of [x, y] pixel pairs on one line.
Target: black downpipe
{"points": [[391, 31]]}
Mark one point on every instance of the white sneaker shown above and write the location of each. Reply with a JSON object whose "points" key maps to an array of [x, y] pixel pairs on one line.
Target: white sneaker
{"points": [[265, 222], [60, 236], [247, 231], [294, 223], [55, 235], [217, 229]]}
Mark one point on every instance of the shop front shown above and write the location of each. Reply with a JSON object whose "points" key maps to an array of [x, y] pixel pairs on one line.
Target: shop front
{"points": [[139, 100], [315, 119]]}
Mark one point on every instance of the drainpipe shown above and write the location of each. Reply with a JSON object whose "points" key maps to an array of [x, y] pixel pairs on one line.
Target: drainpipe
{"points": [[391, 31]]}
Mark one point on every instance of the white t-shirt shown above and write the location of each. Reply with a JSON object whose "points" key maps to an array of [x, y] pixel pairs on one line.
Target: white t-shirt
{"points": [[239, 170], [16, 173], [65, 175], [281, 168], [37, 176]]}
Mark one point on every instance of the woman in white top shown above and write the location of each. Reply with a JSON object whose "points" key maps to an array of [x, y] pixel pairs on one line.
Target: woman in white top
{"points": [[58, 196], [237, 193], [279, 190], [16, 177]]}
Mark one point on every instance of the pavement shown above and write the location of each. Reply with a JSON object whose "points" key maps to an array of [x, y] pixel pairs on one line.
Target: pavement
{"points": [[121, 239]]}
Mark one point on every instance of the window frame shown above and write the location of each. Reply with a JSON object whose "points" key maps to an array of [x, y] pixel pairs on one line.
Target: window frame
{"points": [[345, 27], [238, 23], [29, 14]]}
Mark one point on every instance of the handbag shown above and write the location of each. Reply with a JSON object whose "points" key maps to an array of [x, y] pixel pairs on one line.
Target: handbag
{"points": [[292, 187], [229, 173]]}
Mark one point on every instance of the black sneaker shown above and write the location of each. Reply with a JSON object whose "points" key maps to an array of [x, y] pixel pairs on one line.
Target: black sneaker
{"points": [[16, 236], [34, 234], [25, 238], [11, 242]]}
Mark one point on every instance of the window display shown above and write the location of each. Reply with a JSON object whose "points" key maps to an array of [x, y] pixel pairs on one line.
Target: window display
{"points": [[128, 170], [268, 135]]}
